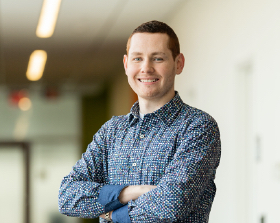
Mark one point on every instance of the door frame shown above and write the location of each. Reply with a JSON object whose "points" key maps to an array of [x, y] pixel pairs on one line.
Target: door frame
{"points": [[25, 147]]}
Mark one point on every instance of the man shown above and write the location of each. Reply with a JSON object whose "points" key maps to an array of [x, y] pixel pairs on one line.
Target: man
{"points": [[157, 163]]}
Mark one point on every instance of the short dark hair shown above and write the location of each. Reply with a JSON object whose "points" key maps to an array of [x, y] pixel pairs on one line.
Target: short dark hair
{"points": [[158, 27]]}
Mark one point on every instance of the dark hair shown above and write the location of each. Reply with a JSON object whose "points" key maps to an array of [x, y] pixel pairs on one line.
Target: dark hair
{"points": [[158, 27]]}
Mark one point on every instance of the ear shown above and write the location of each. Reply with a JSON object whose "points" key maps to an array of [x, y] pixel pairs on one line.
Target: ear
{"points": [[125, 62], [180, 63]]}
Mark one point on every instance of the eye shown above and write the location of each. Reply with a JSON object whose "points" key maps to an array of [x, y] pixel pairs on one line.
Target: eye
{"points": [[159, 59], [136, 59]]}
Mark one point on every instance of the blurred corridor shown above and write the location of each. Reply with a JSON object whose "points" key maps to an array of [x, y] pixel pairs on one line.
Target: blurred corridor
{"points": [[232, 52]]}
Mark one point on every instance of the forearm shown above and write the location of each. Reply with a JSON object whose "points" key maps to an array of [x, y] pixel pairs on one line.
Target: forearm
{"points": [[113, 197], [128, 193], [133, 192]]}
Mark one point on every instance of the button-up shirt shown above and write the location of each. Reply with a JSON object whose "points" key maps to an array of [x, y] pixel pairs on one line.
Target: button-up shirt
{"points": [[176, 148]]}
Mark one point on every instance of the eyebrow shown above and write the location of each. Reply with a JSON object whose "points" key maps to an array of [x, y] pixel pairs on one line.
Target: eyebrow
{"points": [[154, 53]]}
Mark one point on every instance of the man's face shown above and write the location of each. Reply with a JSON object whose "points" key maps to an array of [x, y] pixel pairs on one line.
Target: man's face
{"points": [[150, 67]]}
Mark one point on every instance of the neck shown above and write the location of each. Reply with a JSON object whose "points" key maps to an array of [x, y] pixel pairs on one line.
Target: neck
{"points": [[150, 105]]}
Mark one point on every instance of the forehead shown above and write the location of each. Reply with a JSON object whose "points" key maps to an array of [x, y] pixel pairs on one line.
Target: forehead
{"points": [[149, 42]]}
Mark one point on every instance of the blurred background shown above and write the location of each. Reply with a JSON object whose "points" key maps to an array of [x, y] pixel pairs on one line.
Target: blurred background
{"points": [[49, 113]]}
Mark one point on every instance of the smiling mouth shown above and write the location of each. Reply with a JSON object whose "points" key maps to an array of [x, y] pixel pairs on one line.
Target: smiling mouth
{"points": [[148, 80]]}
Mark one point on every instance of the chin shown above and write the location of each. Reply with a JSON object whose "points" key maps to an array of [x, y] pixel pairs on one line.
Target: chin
{"points": [[149, 95]]}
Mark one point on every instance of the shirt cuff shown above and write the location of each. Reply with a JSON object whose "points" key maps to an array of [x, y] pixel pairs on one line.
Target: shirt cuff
{"points": [[121, 215], [108, 197]]}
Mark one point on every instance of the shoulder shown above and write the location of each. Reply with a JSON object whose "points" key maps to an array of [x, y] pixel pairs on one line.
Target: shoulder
{"points": [[191, 118], [116, 123], [198, 130], [195, 114], [111, 128], [118, 120]]}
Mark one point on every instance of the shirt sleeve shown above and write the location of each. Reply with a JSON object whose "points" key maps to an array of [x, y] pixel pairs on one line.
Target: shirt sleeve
{"points": [[109, 197], [83, 192], [121, 215], [186, 178]]}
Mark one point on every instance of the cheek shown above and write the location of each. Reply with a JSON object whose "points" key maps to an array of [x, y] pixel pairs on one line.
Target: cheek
{"points": [[167, 72], [131, 71]]}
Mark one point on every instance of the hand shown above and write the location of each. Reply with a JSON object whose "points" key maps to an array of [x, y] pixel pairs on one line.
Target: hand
{"points": [[103, 215], [133, 192]]}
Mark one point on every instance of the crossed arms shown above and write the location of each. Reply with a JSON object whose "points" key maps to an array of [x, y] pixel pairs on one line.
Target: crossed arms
{"points": [[186, 184], [131, 193]]}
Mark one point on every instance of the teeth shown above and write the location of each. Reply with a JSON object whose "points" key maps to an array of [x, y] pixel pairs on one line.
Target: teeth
{"points": [[151, 80]]}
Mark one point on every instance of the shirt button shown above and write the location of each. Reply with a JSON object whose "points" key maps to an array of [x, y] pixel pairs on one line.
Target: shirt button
{"points": [[142, 136], [134, 164]]}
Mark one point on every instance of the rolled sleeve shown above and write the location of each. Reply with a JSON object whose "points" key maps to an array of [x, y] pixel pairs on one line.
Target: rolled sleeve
{"points": [[121, 215], [108, 197]]}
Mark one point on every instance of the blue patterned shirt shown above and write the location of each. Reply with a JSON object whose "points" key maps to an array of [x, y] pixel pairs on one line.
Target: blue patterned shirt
{"points": [[176, 148]]}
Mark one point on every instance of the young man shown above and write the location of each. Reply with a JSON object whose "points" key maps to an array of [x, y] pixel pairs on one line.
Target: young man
{"points": [[157, 163]]}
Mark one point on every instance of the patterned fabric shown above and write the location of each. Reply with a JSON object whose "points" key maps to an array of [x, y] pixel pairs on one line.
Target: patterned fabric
{"points": [[176, 148]]}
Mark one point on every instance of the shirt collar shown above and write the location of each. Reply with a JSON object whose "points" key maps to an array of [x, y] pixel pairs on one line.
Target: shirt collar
{"points": [[166, 113]]}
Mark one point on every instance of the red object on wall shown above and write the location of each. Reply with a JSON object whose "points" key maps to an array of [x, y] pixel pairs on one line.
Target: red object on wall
{"points": [[15, 96]]}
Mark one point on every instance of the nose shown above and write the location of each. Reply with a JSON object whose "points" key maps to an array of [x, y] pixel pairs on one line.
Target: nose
{"points": [[147, 67]]}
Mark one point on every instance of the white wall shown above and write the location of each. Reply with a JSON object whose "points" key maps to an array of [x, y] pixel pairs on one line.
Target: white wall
{"points": [[232, 51]]}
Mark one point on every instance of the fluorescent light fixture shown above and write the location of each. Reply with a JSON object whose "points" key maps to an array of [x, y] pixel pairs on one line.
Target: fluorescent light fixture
{"points": [[36, 65], [48, 18]]}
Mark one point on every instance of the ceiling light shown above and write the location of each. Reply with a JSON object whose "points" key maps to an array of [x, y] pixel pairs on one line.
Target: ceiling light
{"points": [[48, 18], [24, 104], [36, 65]]}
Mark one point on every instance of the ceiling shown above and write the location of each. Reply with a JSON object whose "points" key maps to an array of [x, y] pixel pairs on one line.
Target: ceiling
{"points": [[87, 46]]}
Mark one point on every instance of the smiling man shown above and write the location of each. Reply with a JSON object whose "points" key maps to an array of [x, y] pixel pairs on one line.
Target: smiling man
{"points": [[157, 163], [151, 69]]}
